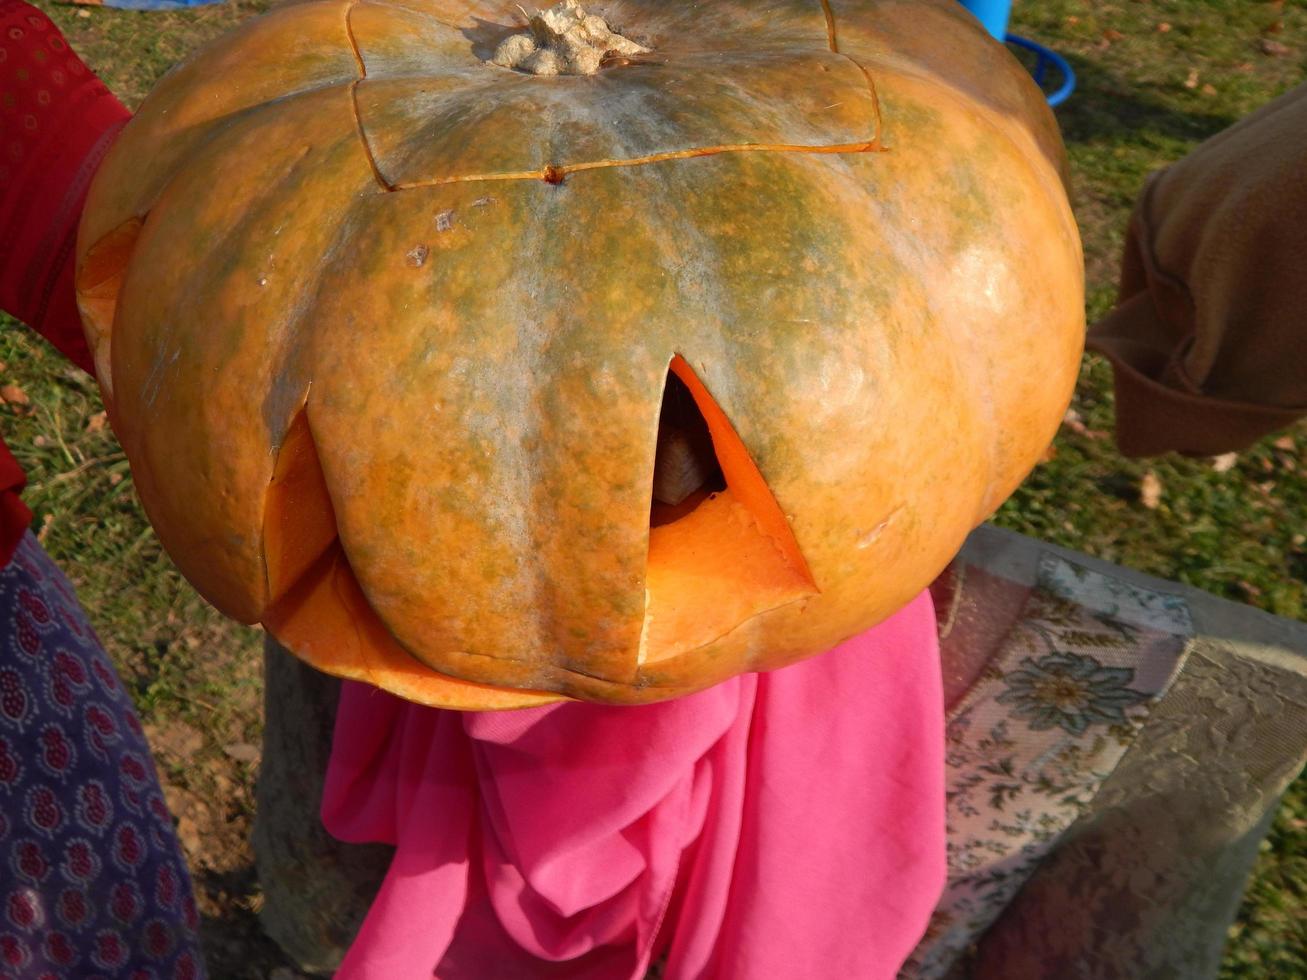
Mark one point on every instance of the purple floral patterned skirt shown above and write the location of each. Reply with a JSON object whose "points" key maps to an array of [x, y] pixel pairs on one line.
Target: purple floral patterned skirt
{"points": [[92, 882]]}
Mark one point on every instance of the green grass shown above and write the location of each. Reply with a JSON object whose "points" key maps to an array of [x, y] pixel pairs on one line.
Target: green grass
{"points": [[1242, 533], [1237, 533]]}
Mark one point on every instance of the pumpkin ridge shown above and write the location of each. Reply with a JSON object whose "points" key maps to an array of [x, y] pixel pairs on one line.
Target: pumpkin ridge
{"points": [[212, 128], [217, 128], [993, 119], [356, 650]]}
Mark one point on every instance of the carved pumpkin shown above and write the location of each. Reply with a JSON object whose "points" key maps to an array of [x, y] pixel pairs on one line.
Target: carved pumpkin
{"points": [[387, 324]]}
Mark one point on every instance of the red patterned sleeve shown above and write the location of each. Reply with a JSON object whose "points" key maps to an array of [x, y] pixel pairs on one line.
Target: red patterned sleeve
{"points": [[56, 122]]}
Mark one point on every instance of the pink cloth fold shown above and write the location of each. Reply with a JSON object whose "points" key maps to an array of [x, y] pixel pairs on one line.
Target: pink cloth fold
{"points": [[788, 824]]}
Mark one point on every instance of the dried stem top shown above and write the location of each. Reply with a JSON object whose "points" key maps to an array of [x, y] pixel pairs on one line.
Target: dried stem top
{"points": [[563, 40]]}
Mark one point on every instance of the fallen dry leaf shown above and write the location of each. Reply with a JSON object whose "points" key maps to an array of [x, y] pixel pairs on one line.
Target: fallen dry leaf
{"points": [[14, 395], [242, 752], [1163, 28], [1209, 89], [1150, 490], [1192, 80], [97, 422], [1273, 48], [1225, 462], [1112, 36], [191, 813], [1286, 443], [1076, 423]]}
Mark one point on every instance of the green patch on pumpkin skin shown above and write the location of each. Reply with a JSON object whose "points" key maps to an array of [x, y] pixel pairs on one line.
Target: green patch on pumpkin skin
{"points": [[908, 118]]}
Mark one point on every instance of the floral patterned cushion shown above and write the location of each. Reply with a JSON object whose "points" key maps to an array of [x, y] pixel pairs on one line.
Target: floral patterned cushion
{"points": [[1060, 695]]}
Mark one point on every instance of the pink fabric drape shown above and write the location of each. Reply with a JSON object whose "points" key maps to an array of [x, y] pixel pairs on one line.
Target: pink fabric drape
{"points": [[788, 824]]}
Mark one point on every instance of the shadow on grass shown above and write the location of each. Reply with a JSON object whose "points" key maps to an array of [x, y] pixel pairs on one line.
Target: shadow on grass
{"points": [[1105, 106]]}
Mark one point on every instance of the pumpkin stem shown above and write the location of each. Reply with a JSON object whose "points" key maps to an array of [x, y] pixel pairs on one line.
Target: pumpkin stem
{"points": [[563, 40]]}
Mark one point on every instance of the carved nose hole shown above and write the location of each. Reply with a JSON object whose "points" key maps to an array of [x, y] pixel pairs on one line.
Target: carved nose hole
{"points": [[721, 550]]}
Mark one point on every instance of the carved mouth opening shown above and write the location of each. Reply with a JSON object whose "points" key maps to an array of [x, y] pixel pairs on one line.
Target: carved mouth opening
{"points": [[317, 607], [721, 550]]}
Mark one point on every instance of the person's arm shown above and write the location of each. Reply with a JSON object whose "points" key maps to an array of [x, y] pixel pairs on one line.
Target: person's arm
{"points": [[56, 122], [1209, 336]]}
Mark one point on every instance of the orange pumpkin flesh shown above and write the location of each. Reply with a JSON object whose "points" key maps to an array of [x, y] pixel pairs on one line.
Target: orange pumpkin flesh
{"points": [[386, 331], [299, 522], [724, 562]]}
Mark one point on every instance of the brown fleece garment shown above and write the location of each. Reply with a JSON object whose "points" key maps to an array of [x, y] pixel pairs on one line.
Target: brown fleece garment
{"points": [[1209, 336]]}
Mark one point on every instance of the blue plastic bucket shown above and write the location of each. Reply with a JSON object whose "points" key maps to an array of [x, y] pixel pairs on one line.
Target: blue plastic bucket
{"points": [[993, 14]]}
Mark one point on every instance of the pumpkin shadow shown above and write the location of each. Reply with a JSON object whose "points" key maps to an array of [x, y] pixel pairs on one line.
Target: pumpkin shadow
{"points": [[486, 35], [1106, 107]]}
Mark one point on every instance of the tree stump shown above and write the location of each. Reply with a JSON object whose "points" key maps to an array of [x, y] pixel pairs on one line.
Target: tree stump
{"points": [[316, 889]]}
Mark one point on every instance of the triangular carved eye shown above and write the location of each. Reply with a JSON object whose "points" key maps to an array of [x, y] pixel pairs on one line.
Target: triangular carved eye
{"points": [[720, 549], [686, 470]]}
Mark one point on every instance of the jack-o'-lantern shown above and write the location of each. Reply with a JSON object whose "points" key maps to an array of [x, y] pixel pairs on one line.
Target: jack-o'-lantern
{"points": [[494, 357]]}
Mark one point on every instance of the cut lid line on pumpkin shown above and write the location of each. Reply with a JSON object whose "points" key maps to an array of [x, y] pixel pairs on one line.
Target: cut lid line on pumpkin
{"points": [[831, 38], [555, 174], [353, 41], [377, 175]]}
